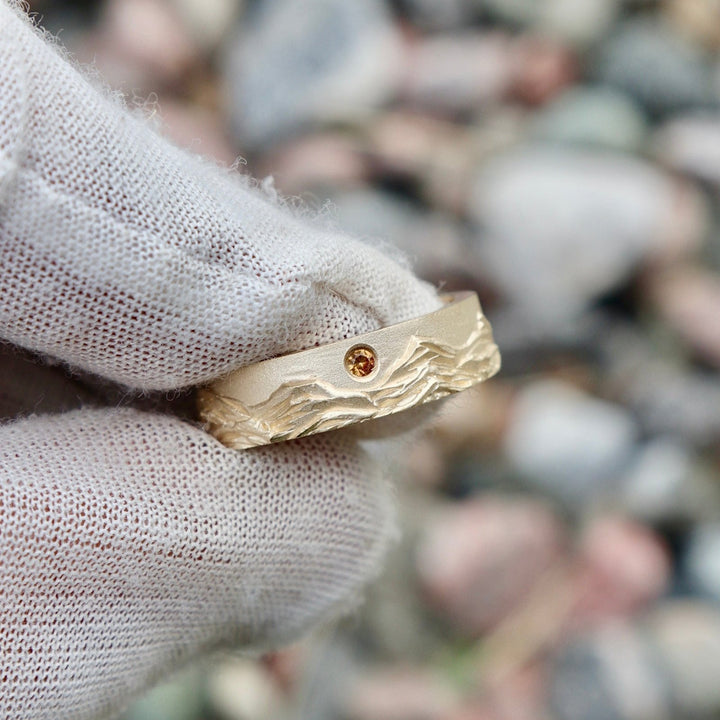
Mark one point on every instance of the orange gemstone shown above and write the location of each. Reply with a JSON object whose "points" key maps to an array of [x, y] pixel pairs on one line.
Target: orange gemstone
{"points": [[360, 361]]}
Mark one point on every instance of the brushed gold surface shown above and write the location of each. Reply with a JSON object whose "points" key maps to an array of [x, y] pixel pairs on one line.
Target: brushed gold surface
{"points": [[313, 391]]}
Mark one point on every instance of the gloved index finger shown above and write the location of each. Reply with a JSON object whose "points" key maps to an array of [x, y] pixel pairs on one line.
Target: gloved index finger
{"points": [[134, 260]]}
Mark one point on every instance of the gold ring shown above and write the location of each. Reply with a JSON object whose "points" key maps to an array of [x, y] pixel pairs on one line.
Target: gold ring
{"points": [[354, 380]]}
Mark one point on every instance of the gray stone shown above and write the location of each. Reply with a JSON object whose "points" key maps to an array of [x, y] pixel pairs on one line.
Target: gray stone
{"points": [[299, 64], [520, 12], [668, 398], [702, 560], [570, 444], [610, 674], [594, 117], [657, 67], [667, 667], [665, 483], [444, 15]]}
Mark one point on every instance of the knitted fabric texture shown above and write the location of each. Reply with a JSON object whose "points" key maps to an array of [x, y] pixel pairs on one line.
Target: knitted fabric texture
{"points": [[132, 542], [137, 261]]}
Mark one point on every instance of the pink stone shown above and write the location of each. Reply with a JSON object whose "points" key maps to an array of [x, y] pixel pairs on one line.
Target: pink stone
{"points": [[482, 557]]}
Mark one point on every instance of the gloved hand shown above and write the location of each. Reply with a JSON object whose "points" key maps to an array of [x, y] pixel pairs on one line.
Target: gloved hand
{"points": [[131, 542]]}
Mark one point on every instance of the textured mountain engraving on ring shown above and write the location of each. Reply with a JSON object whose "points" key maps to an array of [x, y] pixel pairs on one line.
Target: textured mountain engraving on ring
{"points": [[313, 391]]}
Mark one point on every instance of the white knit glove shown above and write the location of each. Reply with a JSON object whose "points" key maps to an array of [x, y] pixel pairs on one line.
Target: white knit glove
{"points": [[131, 542]]}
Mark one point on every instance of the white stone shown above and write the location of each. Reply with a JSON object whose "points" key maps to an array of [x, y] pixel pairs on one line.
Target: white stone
{"points": [[558, 228], [664, 483], [241, 688], [208, 20], [569, 443], [691, 144], [686, 636], [581, 22]]}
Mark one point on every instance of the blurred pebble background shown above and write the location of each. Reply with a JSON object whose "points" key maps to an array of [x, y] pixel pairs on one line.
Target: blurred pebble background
{"points": [[560, 551]]}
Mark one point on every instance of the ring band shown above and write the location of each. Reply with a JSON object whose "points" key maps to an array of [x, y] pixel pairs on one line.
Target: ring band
{"points": [[354, 380]]}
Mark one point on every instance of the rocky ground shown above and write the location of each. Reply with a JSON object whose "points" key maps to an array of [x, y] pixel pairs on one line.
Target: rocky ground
{"points": [[560, 555]]}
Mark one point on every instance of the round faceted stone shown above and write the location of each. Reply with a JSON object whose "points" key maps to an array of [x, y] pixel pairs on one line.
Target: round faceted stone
{"points": [[360, 361]]}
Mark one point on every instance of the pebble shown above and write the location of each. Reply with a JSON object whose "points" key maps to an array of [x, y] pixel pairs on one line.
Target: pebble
{"points": [[669, 398], [567, 443], [197, 129], [672, 401], [208, 21], [686, 638], [691, 144], [408, 145], [437, 16], [665, 667], [610, 674], [663, 482], [581, 23], [657, 67], [688, 298], [521, 695], [458, 73], [438, 156], [242, 688], [434, 244], [141, 45], [296, 64], [319, 164], [474, 421], [696, 19], [425, 466], [178, 699], [396, 622], [591, 117], [481, 557], [702, 559], [558, 228], [512, 12], [400, 693], [576, 22], [623, 568], [542, 68]]}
